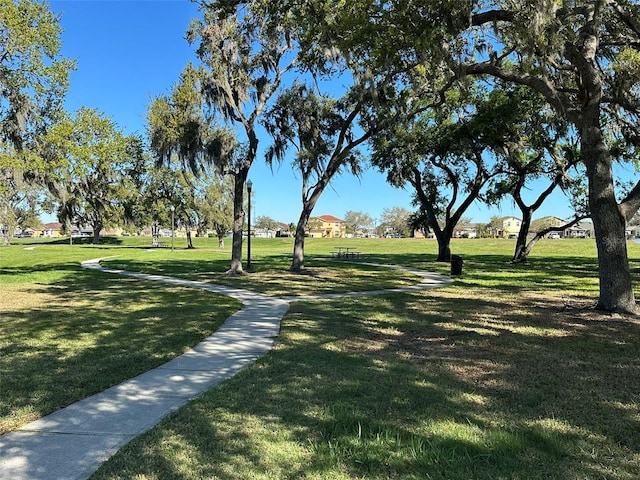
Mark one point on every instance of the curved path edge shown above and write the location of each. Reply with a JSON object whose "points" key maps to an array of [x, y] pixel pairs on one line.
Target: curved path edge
{"points": [[73, 442]]}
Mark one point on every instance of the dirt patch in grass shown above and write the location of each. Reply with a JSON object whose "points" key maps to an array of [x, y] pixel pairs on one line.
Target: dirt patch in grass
{"points": [[19, 297]]}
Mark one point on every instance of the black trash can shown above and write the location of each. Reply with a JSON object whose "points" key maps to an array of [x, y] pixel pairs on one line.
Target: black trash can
{"points": [[456, 264]]}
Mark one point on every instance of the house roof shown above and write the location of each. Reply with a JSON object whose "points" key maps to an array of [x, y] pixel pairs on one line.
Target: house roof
{"points": [[52, 226], [554, 218], [330, 219], [582, 226], [466, 227]]}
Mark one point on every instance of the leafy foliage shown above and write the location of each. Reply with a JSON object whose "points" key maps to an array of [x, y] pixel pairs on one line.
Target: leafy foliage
{"points": [[245, 49], [92, 157], [357, 220], [395, 220], [33, 75], [215, 207]]}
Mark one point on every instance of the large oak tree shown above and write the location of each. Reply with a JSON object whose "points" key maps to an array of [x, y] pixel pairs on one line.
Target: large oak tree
{"points": [[321, 131], [448, 157], [582, 57], [91, 156]]}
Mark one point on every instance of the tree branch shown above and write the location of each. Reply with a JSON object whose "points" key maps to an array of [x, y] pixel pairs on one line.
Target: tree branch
{"points": [[555, 97], [492, 16], [631, 203], [560, 228], [432, 220]]}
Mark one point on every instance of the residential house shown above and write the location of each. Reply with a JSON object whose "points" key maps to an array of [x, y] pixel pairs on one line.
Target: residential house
{"points": [[82, 231], [29, 233], [581, 229], [326, 226], [51, 230], [632, 231], [263, 232], [510, 227], [546, 222], [283, 230]]}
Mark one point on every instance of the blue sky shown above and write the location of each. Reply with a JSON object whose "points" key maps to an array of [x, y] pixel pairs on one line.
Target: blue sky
{"points": [[130, 51]]}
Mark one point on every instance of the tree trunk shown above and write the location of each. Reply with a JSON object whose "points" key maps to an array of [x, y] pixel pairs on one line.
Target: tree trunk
{"points": [[522, 252], [444, 248], [220, 241], [443, 236], [238, 221], [97, 226], [189, 240], [616, 292], [297, 265]]}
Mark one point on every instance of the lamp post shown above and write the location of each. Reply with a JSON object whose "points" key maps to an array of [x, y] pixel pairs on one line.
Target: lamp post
{"points": [[173, 210], [249, 186]]}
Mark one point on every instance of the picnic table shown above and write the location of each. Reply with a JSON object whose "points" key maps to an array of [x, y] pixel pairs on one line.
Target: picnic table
{"points": [[345, 252]]}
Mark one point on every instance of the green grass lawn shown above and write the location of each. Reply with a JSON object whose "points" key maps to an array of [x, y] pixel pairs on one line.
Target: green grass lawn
{"points": [[507, 373], [66, 332]]}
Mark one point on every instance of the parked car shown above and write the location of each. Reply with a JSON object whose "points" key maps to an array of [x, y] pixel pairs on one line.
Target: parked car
{"points": [[554, 236]]}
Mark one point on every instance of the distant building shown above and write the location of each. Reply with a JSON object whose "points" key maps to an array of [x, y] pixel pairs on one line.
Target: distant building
{"points": [[82, 231], [546, 222], [465, 231], [510, 227], [582, 229], [283, 230], [51, 230], [326, 226]]}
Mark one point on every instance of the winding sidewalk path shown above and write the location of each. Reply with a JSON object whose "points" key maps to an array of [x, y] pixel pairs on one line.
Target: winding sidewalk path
{"points": [[73, 442]]}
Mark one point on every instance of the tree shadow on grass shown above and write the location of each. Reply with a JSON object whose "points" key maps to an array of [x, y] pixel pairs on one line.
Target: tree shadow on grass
{"points": [[90, 331], [104, 241], [427, 385], [442, 384], [270, 275]]}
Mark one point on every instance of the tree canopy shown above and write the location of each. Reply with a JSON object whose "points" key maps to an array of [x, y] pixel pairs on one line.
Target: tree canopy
{"points": [[92, 155], [407, 66], [34, 79], [582, 57], [34, 76]]}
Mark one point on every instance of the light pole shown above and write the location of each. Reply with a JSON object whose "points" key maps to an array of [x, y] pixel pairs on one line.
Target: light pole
{"points": [[249, 185], [173, 210]]}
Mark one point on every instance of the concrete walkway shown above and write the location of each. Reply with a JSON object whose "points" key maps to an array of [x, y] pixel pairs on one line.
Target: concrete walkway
{"points": [[72, 443]]}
